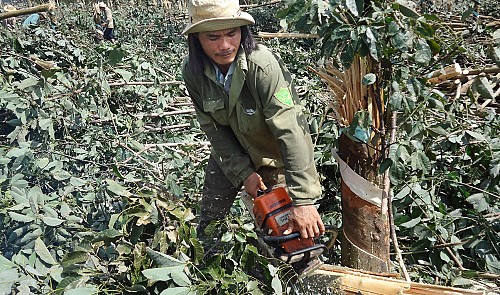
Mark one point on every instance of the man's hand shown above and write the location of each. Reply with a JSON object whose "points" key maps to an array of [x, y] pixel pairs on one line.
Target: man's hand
{"points": [[305, 220], [253, 184]]}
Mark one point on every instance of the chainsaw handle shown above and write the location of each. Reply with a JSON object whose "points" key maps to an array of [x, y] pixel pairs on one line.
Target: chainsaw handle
{"points": [[277, 240]]}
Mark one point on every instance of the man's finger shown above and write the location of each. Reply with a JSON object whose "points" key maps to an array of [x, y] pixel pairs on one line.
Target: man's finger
{"points": [[289, 230]]}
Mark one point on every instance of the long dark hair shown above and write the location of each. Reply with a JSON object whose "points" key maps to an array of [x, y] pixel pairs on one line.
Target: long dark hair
{"points": [[197, 55]]}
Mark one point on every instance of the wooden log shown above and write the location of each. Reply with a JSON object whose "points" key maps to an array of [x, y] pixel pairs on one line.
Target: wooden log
{"points": [[330, 279], [287, 35], [447, 73], [131, 83], [246, 6], [26, 11]]}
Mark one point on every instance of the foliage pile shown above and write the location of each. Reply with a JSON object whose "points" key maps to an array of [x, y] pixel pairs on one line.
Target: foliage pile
{"points": [[102, 163]]}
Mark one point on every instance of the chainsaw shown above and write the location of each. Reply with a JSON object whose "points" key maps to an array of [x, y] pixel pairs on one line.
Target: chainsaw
{"points": [[271, 210]]}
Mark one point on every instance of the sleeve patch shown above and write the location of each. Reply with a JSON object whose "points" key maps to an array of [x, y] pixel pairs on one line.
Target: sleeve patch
{"points": [[284, 96]]}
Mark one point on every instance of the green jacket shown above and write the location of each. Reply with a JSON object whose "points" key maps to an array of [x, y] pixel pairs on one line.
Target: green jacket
{"points": [[260, 123]]}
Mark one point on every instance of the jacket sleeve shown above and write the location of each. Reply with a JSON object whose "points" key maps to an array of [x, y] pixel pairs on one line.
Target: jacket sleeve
{"points": [[284, 115], [228, 152]]}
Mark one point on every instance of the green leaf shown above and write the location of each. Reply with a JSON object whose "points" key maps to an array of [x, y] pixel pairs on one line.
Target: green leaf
{"points": [[163, 260], [75, 181], [107, 234], [19, 195], [27, 83], [161, 274], [421, 161], [401, 41], [228, 236], [478, 202], [20, 217], [372, 43], [496, 37], [42, 163], [116, 188], [276, 285], [51, 221], [495, 55], [180, 278], [467, 13], [412, 223], [396, 100], [423, 52], [240, 237], [45, 123], [406, 11], [126, 75], [178, 291], [43, 253], [8, 278], [369, 79], [484, 88], [476, 135], [68, 280], [116, 56], [89, 290], [355, 6], [198, 249], [73, 258], [6, 263], [386, 164]]}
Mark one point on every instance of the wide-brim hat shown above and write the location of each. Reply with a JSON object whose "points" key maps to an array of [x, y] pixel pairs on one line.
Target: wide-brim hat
{"points": [[215, 15], [101, 4], [9, 7]]}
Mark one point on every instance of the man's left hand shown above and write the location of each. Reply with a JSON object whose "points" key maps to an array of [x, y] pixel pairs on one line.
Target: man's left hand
{"points": [[305, 219]]}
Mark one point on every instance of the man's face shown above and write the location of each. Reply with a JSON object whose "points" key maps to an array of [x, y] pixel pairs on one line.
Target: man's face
{"points": [[221, 46]]}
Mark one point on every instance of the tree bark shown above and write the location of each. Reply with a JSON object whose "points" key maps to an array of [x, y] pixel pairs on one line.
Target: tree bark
{"points": [[365, 236]]}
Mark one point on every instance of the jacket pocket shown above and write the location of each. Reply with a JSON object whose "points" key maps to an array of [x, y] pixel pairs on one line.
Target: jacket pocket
{"points": [[251, 120], [217, 109]]}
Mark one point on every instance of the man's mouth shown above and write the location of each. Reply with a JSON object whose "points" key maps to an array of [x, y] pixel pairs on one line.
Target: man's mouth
{"points": [[225, 54]]}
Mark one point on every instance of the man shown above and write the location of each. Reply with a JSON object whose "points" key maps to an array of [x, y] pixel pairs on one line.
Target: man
{"points": [[247, 106], [108, 22], [11, 21]]}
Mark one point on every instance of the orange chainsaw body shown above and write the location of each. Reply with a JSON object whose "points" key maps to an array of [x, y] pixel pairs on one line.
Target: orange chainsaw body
{"points": [[272, 210]]}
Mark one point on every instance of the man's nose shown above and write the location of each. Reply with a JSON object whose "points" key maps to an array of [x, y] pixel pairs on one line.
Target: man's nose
{"points": [[225, 43]]}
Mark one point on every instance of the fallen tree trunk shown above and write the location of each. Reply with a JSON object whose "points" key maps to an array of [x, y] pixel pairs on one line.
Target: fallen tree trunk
{"points": [[330, 279], [26, 11], [287, 35]]}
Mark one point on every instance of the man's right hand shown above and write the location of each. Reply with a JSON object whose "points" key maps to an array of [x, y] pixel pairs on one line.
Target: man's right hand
{"points": [[253, 183]]}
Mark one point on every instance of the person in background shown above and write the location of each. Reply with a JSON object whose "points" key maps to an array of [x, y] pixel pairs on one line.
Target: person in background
{"points": [[11, 21], [107, 24], [246, 104], [35, 18], [96, 16]]}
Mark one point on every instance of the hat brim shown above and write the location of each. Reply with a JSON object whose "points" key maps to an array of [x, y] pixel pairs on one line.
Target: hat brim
{"points": [[217, 24]]}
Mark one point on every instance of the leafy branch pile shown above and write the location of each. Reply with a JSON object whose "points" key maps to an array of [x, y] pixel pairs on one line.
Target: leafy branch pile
{"points": [[102, 164]]}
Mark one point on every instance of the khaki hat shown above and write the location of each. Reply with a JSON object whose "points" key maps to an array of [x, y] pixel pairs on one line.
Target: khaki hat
{"points": [[215, 15], [9, 7], [101, 4]]}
